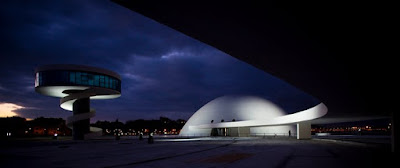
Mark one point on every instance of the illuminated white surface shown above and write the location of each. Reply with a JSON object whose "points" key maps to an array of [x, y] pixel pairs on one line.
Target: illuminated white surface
{"points": [[306, 115], [92, 93], [82, 116], [56, 91], [67, 101], [261, 115]]}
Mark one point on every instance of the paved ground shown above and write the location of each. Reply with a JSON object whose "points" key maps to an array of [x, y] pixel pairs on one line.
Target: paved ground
{"points": [[201, 152]]}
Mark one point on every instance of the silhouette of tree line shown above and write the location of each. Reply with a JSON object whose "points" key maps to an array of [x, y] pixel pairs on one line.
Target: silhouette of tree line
{"points": [[21, 127], [163, 125]]}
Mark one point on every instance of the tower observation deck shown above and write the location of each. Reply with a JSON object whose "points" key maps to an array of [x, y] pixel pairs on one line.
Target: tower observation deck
{"points": [[76, 85]]}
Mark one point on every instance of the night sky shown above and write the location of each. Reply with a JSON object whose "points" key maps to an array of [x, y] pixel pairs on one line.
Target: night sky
{"points": [[164, 72]]}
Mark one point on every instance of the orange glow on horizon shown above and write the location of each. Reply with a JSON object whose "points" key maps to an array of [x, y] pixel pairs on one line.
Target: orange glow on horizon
{"points": [[8, 109]]}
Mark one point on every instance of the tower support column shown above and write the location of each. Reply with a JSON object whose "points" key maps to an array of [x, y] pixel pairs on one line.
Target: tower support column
{"points": [[395, 132], [304, 130], [81, 127]]}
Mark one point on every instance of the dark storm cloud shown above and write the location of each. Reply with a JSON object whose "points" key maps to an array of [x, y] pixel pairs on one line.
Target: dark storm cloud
{"points": [[79, 32], [163, 72]]}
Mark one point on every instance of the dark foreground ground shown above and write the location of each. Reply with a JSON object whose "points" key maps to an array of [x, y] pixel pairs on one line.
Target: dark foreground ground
{"points": [[201, 152]]}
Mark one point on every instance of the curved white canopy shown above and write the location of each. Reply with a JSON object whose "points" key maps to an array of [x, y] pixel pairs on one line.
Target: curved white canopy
{"points": [[305, 115]]}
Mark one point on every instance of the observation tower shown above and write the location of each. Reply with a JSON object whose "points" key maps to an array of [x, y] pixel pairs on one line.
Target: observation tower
{"points": [[76, 85]]}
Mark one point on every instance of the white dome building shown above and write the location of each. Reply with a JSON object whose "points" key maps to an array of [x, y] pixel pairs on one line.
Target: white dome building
{"points": [[246, 116]]}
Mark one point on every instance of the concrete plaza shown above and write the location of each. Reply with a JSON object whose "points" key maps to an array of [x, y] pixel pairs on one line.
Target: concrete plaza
{"points": [[275, 152]]}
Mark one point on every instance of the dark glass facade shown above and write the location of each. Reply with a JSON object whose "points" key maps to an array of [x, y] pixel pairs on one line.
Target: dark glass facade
{"points": [[76, 78]]}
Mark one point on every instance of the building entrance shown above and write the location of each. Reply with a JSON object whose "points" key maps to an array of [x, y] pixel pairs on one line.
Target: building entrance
{"points": [[220, 132]]}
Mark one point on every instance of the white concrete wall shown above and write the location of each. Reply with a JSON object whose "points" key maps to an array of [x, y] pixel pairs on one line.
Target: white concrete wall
{"points": [[227, 108]]}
